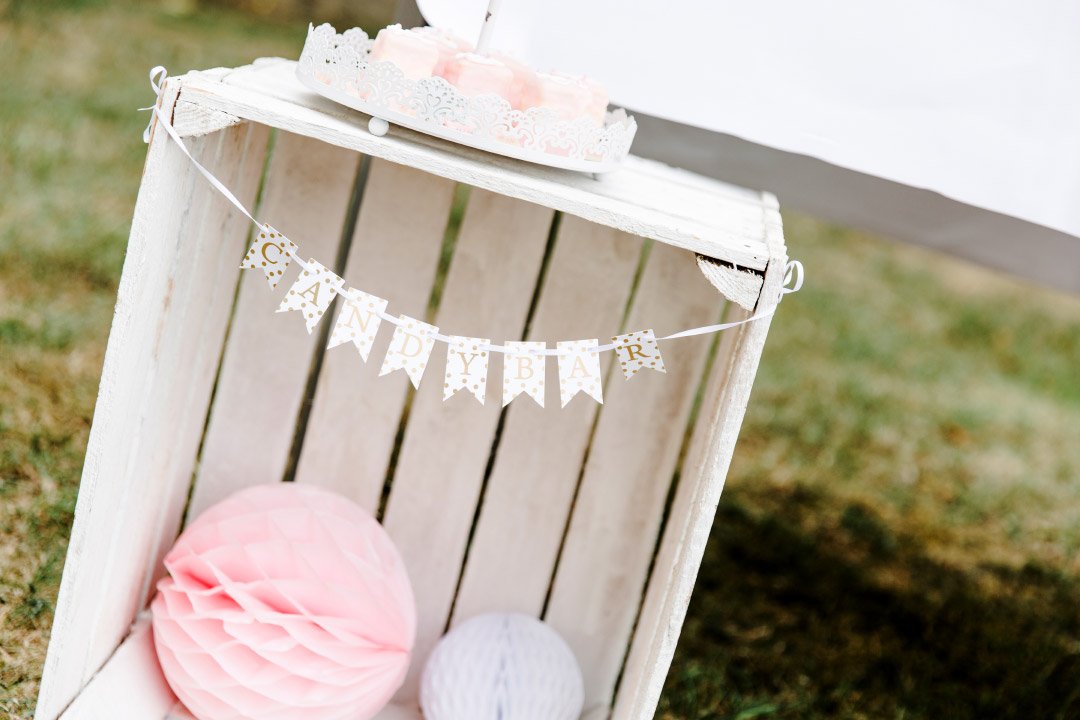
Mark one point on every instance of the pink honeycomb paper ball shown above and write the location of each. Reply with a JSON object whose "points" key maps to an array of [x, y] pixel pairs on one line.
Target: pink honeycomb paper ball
{"points": [[284, 602]]}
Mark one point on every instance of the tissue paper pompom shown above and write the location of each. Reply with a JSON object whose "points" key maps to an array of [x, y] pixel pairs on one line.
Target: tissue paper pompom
{"points": [[502, 667], [284, 601]]}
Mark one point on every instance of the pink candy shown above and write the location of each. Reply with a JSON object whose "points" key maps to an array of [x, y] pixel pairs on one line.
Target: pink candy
{"points": [[416, 55], [478, 75], [429, 52]]}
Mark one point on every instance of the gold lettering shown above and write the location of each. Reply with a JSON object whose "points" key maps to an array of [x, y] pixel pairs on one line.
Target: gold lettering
{"points": [[524, 367], [313, 291], [579, 367], [405, 338], [358, 317], [266, 257], [632, 350], [466, 360]]}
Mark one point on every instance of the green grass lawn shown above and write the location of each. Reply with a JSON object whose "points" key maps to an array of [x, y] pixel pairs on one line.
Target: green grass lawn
{"points": [[900, 530]]}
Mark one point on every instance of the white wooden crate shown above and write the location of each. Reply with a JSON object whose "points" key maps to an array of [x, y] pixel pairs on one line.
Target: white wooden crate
{"points": [[573, 515]]}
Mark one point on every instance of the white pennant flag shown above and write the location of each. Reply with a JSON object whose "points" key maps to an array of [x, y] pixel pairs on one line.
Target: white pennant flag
{"points": [[270, 252], [466, 367], [410, 349], [579, 370], [523, 371], [638, 351], [358, 321], [312, 293]]}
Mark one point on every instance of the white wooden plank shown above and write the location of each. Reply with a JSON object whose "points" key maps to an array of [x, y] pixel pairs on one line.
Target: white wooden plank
{"points": [[446, 446], [696, 499], [727, 225], [99, 591], [205, 296], [189, 343], [612, 534], [130, 686], [528, 496], [191, 119], [394, 254], [266, 364]]}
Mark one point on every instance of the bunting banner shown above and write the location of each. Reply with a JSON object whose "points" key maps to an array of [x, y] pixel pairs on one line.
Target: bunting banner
{"points": [[523, 371], [638, 351], [358, 321], [312, 293], [466, 367], [361, 315], [410, 348], [579, 370], [270, 252]]}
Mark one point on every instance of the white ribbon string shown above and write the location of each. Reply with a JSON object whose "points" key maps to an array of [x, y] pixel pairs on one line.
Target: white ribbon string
{"points": [[794, 272]]}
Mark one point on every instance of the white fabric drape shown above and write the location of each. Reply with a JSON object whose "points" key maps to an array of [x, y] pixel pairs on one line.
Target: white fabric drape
{"points": [[976, 99]]}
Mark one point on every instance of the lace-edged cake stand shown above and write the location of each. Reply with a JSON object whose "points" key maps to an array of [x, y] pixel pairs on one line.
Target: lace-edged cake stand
{"points": [[337, 66]]}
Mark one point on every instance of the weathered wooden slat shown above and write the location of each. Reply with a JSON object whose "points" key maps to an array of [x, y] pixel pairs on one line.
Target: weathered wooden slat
{"points": [[265, 367], [129, 686], [116, 527], [445, 451], [612, 534], [241, 166], [694, 507], [538, 464], [719, 223], [395, 252], [191, 119]]}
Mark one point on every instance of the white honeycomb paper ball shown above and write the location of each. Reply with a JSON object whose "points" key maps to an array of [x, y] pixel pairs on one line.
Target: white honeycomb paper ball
{"points": [[502, 666]]}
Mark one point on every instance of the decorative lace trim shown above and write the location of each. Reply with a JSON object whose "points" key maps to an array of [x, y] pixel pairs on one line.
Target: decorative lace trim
{"points": [[340, 61]]}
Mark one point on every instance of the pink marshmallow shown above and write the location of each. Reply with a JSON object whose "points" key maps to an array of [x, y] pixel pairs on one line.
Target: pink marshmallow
{"points": [[475, 74], [568, 97], [449, 45], [416, 55], [524, 80]]}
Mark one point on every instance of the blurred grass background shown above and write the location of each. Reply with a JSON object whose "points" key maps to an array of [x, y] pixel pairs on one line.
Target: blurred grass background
{"points": [[899, 535]]}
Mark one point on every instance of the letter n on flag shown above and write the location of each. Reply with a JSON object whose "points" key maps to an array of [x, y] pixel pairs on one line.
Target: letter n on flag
{"points": [[358, 321], [312, 293]]}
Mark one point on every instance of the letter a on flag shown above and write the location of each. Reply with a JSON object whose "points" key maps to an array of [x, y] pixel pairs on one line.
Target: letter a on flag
{"points": [[312, 293], [579, 370]]}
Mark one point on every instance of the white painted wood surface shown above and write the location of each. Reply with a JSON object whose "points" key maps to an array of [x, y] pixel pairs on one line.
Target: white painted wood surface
{"points": [[204, 292], [612, 534], [634, 199], [538, 463], [192, 119], [694, 507], [266, 363], [394, 254], [119, 515], [164, 347], [444, 453], [129, 687]]}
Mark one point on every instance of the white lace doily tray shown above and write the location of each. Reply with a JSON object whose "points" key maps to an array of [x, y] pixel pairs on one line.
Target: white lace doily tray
{"points": [[338, 66]]}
